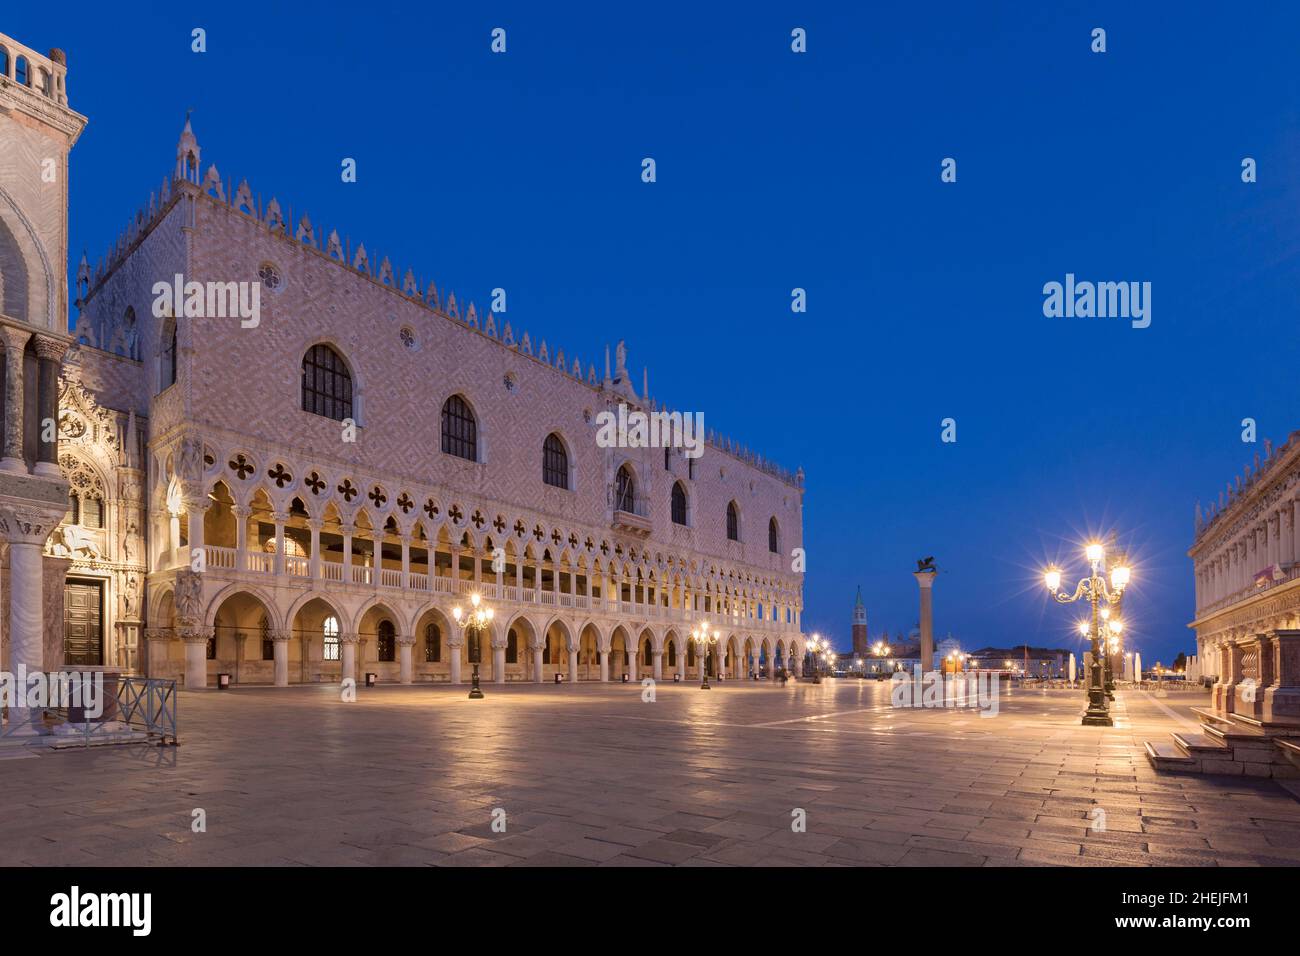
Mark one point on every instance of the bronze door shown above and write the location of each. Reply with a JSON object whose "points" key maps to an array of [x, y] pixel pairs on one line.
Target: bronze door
{"points": [[83, 622]]}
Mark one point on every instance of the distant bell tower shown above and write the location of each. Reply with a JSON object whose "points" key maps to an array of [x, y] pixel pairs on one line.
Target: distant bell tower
{"points": [[860, 648]]}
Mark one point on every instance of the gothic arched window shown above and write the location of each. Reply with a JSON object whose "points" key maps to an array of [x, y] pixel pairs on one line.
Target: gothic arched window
{"points": [[679, 503], [131, 334], [268, 645], [733, 522], [512, 647], [326, 383], [625, 491], [92, 512], [773, 543], [459, 429], [387, 641], [555, 462], [167, 367], [330, 634], [432, 644], [21, 70]]}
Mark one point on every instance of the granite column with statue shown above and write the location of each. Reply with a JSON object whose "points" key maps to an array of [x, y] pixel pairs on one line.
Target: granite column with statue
{"points": [[925, 580]]}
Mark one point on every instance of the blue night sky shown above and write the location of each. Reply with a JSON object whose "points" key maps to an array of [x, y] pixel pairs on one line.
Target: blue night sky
{"points": [[777, 170]]}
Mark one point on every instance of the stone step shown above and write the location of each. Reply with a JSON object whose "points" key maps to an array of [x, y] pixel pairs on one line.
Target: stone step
{"points": [[1290, 750], [1214, 722], [1233, 733], [1193, 745], [1170, 759]]}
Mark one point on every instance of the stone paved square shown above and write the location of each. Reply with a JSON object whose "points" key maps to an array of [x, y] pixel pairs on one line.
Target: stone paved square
{"points": [[590, 775]]}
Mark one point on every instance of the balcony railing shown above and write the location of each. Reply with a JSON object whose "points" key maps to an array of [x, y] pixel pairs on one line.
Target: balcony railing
{"points": [[632, 513], [1250, 591], [223, 558], [259, 562], [296, 566]]}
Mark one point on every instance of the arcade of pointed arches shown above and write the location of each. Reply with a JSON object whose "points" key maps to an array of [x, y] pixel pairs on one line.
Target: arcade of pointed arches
{"points": [[407, 641]]}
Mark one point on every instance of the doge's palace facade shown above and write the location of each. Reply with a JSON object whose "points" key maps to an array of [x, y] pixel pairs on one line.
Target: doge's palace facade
{"points": [[37, 132], [305, 494]]}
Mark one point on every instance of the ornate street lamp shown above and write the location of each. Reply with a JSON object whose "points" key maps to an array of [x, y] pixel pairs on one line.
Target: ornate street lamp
{"points": [[474, 624], [880, 649], [816, 647], [704, 638], [1096, 590], [1119, 574], [1113, 643]]}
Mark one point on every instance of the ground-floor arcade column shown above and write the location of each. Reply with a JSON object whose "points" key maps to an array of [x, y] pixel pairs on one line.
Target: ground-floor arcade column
{"points": [[454, 644], [681, 661], [538, 653], [658, 655], [348, 655], [1282, 694], [280, 641], [26, 528], [156, 640], [405, 656], [603, 650], [1224, 691], [498, 657], [633, 655], [573, 665], [196, 656]]}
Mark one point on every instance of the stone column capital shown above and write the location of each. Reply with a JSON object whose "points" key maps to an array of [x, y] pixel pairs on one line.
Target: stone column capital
{"points": [[282, 637], [241, 511], [349, 638], [15, 339], [406, 640], [157, 634], [315, 524], [50, 349], [26, 524], [197, 635]]}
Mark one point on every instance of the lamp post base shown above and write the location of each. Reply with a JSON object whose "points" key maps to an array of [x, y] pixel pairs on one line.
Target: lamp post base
{"points": [[1097, 715], [475, 692], [704, 684]]}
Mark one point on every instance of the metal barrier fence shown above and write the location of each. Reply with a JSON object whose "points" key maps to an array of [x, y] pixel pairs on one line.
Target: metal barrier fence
{"points": [[144, 705]]}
